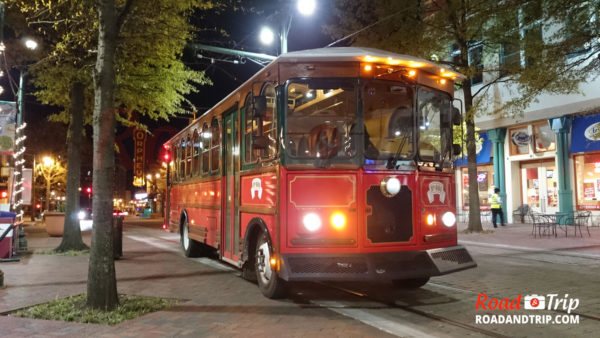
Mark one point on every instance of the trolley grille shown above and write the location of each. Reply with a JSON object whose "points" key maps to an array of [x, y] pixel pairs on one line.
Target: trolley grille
{"points": [[327, 265], [391, 217], [458, 256]]}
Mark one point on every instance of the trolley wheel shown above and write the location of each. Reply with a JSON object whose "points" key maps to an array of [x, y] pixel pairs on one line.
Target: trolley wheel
{"points": [[411, 283], [191, 248], [269, 282]]}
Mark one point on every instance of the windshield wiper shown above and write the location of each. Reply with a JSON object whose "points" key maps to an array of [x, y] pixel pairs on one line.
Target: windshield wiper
{"points": [[391, 163]]}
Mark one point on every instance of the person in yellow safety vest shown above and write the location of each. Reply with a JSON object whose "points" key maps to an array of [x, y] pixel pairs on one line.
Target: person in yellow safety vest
{"points": [[496, 204]]}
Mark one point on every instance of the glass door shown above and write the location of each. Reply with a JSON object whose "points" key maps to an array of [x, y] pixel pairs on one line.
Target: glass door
{"points": [[539, 186]]}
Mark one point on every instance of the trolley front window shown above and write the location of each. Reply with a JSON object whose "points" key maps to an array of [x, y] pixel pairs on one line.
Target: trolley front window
{"points": [[320, 114], [435, 125], [389, 122]]}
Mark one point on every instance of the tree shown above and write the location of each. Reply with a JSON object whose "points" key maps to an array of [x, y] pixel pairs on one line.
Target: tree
{"points": [[136, 47], [53, 173], [476, 38]]}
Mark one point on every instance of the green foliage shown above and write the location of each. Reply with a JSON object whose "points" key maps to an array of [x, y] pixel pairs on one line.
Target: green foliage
{"points": [[552, 64], [151, 78], [73, 309]]}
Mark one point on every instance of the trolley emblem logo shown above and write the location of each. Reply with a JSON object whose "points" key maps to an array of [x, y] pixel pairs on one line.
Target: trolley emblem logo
{"points": [[256, 188], [436, 188]]}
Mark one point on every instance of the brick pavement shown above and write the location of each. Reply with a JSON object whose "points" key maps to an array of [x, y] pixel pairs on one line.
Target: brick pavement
{"points": [[239, 309]]}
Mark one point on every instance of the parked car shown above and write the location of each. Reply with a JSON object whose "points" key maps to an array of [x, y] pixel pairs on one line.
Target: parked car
{"points": [[85, 213]]}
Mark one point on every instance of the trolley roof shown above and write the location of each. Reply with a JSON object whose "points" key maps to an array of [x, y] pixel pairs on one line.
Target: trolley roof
{"points": [[341, 54], [365, 54]]}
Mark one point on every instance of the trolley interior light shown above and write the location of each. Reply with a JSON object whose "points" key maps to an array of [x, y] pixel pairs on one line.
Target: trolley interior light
{"points": [[368, 68], [412, 73], [312, 222]]}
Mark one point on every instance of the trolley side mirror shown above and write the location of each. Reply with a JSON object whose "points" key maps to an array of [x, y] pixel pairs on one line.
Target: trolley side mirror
{"points": [[456, 116], [456, 149], [259, 106], [260, 142]]}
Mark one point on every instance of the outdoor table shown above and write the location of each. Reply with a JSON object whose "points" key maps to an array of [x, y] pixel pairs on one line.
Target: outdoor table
{"points": [[555, 220]]}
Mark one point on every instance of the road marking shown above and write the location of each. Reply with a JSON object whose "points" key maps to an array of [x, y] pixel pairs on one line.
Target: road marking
{"points": [[448, 287], [378, 322], [212, 263], [155, 243], [159, 243], [528, 249]]}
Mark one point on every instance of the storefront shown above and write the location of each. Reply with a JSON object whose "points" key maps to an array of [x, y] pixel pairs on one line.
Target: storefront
{"points": [[585, 150], [485, 176], [532, 151]]}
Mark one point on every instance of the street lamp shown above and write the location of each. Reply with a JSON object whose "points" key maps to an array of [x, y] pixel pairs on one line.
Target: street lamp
{"points": [[305, 7], [19, 141]]}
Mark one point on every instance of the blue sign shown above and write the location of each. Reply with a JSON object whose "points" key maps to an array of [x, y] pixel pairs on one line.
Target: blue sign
{"points": [[483, 155], [585, 133]]}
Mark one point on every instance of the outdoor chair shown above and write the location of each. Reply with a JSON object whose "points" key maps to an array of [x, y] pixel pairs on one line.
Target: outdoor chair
{"points": [[580, 219], [521, 212], [542, 225]]}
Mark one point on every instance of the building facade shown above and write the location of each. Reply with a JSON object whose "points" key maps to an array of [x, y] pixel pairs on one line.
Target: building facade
{"points": [[548, 157]]}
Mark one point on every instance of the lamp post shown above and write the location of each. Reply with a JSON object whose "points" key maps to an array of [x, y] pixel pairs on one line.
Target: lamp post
{"points": [[19, 142], [305, 7]]}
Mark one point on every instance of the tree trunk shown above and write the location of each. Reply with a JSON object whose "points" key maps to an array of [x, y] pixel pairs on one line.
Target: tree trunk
{"points": [[71, 239], [48, 187], [474, 212], [102, 282]]}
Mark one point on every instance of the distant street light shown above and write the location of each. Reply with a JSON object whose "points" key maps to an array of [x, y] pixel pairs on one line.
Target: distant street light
{"points": [[304, 7]]}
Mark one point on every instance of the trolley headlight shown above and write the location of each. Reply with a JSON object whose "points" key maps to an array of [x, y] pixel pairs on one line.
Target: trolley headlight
{"points": [[449, 219], [81, 215], [390, 186], [312, 222]]}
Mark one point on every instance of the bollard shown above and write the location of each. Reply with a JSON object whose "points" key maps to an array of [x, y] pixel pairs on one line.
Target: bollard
{"points": [[22, 247], [117, 236]]}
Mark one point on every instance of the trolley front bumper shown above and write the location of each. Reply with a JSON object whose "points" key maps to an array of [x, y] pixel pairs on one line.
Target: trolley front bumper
{"points": [[375, 266]]}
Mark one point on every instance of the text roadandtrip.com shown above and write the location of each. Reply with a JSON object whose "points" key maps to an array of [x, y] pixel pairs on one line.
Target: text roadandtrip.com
{"points": [[530, 302]]}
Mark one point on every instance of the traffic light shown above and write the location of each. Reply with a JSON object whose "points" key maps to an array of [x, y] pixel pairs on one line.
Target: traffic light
{"points": [[88, 190], [167, 157], [3, 194]]}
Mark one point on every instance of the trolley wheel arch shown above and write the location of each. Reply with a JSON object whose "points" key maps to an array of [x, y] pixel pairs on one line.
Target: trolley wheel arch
{"points": [[194, 248], [256, 226]]}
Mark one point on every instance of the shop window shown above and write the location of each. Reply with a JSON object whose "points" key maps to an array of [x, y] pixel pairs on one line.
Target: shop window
{"points": [[519, 141], [544, 138], [196, 156], [476, 61], [205, 145], [587, 181], [215, 145], [485, 186]]}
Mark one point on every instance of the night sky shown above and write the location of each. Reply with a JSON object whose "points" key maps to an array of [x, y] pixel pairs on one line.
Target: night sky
{"points": [[243, 29]]}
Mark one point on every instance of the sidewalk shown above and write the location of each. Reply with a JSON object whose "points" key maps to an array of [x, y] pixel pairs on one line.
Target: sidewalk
{"points": [[519, 236]]}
